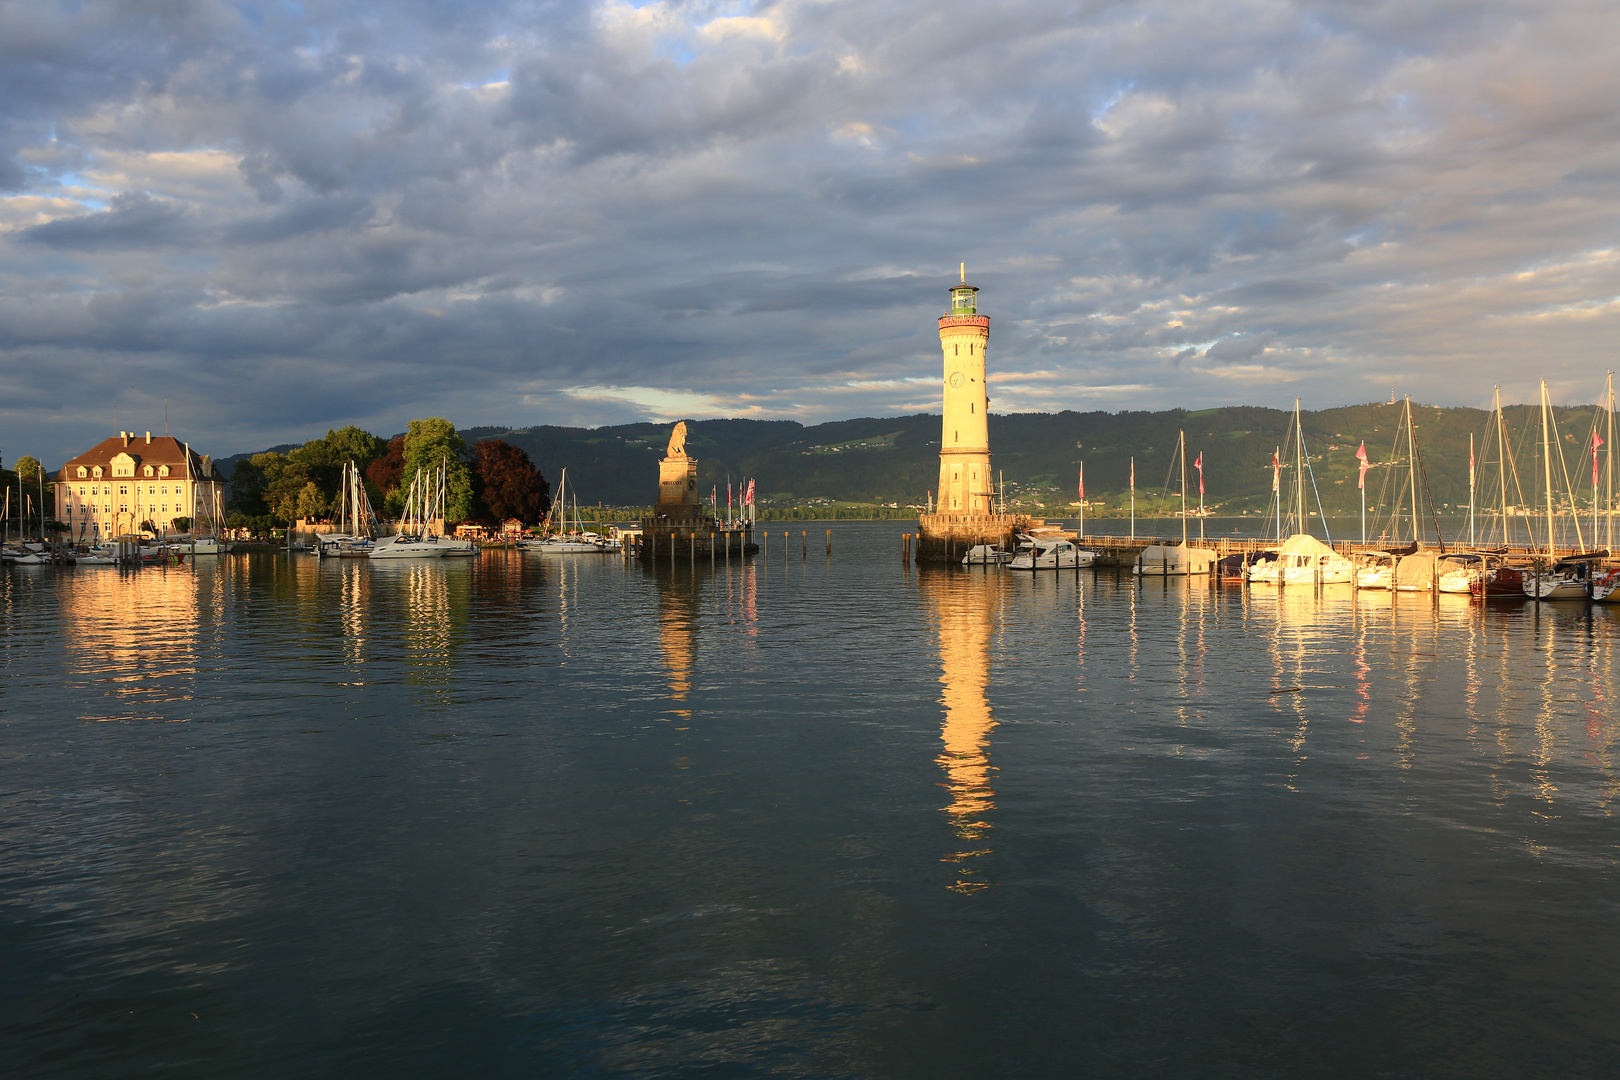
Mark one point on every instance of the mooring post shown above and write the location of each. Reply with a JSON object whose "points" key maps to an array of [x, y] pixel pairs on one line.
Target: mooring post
{"points": [[829, 541], [804, 544]]}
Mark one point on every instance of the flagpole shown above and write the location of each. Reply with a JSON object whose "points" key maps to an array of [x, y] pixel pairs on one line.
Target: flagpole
{"points": [[1082, 500], [1200, 494], [1470, 489], [1133, 498]]}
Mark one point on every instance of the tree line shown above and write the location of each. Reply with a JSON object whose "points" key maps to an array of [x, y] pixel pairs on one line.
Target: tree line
{"points": [[489, 481]]}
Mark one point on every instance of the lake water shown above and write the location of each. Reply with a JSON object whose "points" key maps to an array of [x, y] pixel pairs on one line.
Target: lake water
{"points": [[812, 817]]}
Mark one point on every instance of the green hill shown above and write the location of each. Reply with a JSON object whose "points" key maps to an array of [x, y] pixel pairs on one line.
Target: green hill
{"points": [[896, 459]]}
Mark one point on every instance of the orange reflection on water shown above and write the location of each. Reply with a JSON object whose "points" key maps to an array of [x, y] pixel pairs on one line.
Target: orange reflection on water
{"points": [[964, 607], [138, 631], [676, 634]]}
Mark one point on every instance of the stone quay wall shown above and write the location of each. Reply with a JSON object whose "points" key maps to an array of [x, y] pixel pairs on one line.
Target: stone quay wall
{"points": [[682, 533]]}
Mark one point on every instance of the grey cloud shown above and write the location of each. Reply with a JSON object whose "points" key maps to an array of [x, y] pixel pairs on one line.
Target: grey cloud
{"points": [[767, 212], [1235, 350], [132, 220]]}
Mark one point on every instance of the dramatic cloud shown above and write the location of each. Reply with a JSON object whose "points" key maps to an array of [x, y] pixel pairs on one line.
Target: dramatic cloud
{"points": [[282, 217]]}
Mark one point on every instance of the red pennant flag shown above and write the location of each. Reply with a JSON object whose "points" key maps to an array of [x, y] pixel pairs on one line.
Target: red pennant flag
{"points": [[1361, 456], [728, 494], [1596, 442], [748, 500], [1276, 472], [1199, 465], [1082, 483]]}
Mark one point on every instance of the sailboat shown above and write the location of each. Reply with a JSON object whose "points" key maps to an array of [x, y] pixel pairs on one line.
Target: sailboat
{"points": [[1165, 560], [1302, 559], [560, 542], [357, 525], [1568, 578], [424, 510]]}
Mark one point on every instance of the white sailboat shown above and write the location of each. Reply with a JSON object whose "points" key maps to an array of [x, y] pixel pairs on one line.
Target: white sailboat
{"points": [[357, 525], [1165, 560], [1302, 559], [424, 512], [1563, 579], [563, 542]]}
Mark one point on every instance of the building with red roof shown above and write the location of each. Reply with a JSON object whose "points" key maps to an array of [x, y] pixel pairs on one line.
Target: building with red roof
{"points": [[110, 489]]}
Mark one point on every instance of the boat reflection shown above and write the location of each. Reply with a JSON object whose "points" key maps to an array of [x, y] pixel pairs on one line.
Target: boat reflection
{"points": [[965, 609]]}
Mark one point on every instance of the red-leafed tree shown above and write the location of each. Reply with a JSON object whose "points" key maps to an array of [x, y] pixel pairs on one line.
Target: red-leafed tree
{"points": [[506, 482], [385, 472]]}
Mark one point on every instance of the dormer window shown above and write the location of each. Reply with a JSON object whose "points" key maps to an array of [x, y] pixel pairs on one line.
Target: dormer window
{"points": [[163, 470], [84, 472], [150, 471], [96, 472]]}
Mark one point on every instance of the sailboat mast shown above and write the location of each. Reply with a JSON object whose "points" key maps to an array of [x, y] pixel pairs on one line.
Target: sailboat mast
{"points": [[1411, 470], [1501, 463], [1608, 463], [1470, 489], [1546, 461], [1299, 469], [1181, 447]]}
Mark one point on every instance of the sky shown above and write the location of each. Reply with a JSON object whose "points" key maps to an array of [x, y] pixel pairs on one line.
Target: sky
{"points": [[269, 219]]}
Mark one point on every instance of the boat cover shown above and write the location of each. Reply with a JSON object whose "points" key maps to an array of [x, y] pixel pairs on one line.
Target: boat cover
{"points": [[1305, 544], [1415, 571]]}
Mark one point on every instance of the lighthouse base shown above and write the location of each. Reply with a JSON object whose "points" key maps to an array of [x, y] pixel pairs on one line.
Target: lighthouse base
{"points": [[945, 538]]}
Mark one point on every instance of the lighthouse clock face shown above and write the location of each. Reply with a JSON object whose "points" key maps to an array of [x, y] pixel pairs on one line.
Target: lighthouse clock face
{"points": [[956, 378]]}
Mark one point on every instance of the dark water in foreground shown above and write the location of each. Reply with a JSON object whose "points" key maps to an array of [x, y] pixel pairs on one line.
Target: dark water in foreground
{"points": [[816, 818]]}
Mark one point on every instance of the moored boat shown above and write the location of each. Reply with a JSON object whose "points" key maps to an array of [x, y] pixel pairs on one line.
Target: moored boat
{"points": [[1050, 553]]}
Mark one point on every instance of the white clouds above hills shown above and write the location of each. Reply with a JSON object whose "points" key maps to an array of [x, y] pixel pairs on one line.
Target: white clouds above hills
{"points": [[282, 216]]}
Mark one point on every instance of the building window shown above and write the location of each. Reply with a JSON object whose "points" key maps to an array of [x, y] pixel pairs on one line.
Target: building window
{"points": [[123, 489], [956, 350], [83, 471]]}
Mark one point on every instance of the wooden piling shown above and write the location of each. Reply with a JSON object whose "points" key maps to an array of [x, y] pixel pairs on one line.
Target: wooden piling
{"points": [[829, 541]]}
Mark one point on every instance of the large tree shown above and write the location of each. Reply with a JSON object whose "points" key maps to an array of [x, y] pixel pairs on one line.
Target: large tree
{"points": [[434, 441], [508, 484]]}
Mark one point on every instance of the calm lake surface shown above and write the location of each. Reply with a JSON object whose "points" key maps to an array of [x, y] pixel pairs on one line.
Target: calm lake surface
{"points": [[811, 817]]}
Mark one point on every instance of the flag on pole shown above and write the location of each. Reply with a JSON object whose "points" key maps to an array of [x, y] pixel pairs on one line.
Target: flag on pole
{"points": [[1276, 472], [1082, 483], [728, 496], [1361, 456], [1133, 474], [1597, 441], [1199, 465], [714, 495], [748, 500]]}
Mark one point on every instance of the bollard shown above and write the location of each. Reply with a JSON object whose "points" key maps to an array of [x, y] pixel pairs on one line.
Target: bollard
{"points": [[694, 547], [804, 544], [765, 545], [829, 541]]}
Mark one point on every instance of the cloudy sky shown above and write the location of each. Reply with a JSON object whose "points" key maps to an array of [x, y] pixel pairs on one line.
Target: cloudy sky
{"points": [[281, 217]]}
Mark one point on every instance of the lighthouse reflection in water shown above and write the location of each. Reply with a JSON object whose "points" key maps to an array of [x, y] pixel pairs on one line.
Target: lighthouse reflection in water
{"points": [[812, 815]]}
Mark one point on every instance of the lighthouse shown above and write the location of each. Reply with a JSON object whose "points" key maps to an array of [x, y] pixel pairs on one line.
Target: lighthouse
{"points": [[965, 514], [964, 446]]}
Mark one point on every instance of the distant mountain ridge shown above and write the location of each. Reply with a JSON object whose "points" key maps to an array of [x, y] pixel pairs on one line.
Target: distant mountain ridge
{"points": [[896, 459]]}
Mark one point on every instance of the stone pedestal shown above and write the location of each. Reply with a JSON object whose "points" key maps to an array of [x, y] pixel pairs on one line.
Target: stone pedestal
{"points": [[677, 483]]}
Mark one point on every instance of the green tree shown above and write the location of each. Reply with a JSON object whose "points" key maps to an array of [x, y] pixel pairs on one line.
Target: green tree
{"points": [[28, 469], [182, 524], [311, 503], [433, 441], [351, 444]]}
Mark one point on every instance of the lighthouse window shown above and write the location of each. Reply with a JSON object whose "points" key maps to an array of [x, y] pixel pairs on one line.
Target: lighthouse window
{"points": [[970, 407], [956, 350]]}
